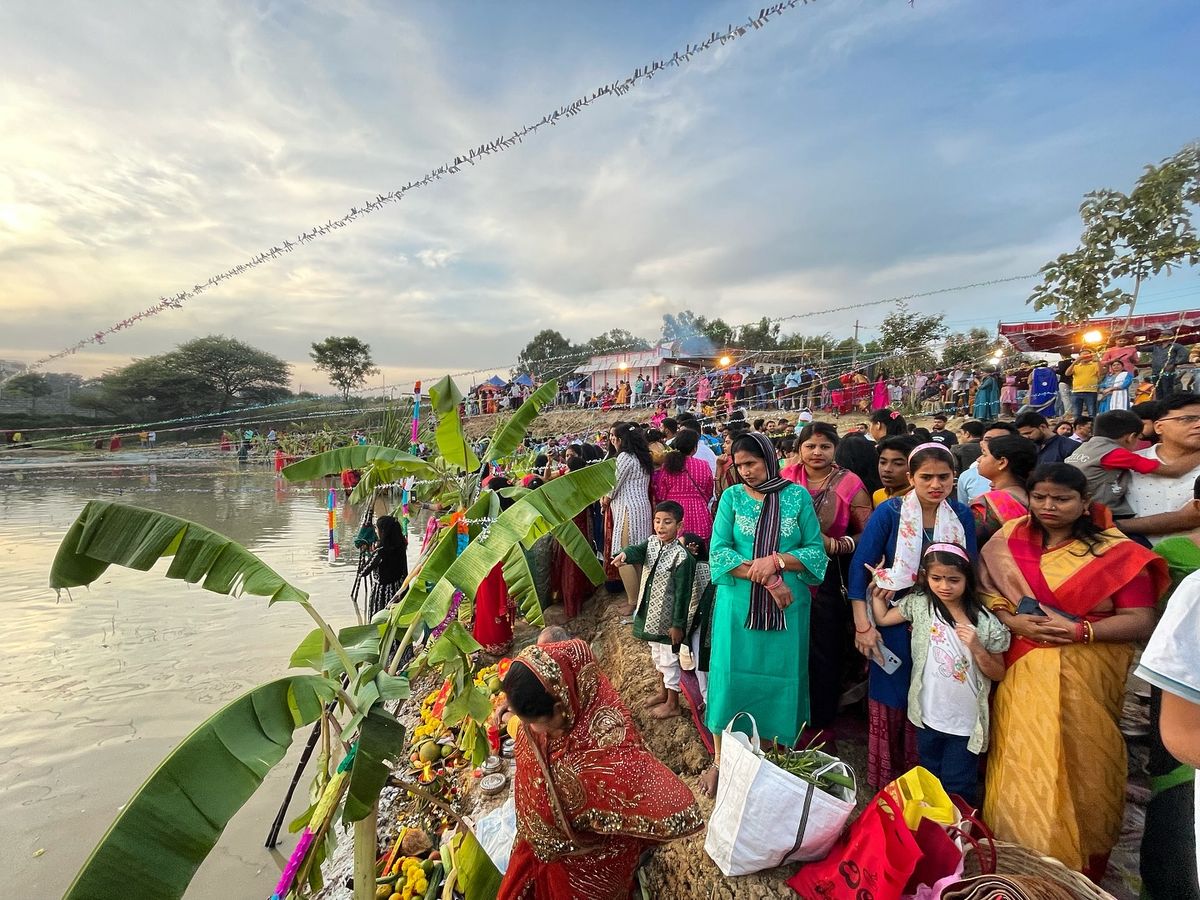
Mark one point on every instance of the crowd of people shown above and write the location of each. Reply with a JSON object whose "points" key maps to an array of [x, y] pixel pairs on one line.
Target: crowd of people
{"points": [[991, 584]]}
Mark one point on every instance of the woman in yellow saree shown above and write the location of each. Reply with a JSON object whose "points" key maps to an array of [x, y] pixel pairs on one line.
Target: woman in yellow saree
{"points": [[1076, 594]]}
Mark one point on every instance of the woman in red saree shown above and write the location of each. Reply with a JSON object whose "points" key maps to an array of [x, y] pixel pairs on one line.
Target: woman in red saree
{"points": [[590, 797], [1057, 764], [569, 584]]}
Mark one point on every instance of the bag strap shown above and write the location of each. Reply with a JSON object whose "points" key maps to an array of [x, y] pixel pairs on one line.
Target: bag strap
{"points": [[802, 827], [987, 864]]}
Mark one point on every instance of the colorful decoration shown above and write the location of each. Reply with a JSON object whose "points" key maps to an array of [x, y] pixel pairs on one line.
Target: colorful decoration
{"points": [[333, 546], [416, 420]]}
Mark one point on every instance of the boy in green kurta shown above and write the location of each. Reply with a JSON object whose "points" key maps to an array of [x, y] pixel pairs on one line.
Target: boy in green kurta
{"points": [[663, 599]]}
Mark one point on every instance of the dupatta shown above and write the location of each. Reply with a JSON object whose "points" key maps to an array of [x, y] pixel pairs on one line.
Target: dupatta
{"points": [[1072, 578], [588, 801]]}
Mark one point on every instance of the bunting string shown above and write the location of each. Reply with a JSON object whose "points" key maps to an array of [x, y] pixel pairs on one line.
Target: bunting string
{"points": [[457, 164]]}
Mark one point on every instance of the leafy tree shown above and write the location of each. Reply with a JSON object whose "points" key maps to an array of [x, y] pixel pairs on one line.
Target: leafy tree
{"points": [[154, 387], [547, 354], [907, 336], [1126, 236], [614, 341], [346, 361], [233, 369], [967, 349], [32, 385], [762, 335]]}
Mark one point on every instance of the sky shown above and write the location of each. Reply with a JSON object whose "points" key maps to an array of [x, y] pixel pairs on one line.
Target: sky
{"points": [[851, 150]]}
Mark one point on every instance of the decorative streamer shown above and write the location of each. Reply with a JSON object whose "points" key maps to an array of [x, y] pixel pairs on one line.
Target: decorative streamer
{"points": [[471, 157], [416, 419], [333, 547]]}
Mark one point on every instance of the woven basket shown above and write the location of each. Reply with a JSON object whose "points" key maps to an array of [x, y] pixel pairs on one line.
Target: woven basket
{"points": [[1014, 859]]}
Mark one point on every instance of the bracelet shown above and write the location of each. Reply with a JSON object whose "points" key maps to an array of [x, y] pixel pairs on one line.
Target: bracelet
{"points": [[779, 561], [1091, 632], [1080, 633], [770, 586], [858, 630]]}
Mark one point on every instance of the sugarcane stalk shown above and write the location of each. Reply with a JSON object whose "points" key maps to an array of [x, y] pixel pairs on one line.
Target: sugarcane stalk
{"points": [[365, 852]]}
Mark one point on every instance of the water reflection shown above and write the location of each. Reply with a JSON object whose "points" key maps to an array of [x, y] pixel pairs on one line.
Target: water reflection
{"points": [[102, 685]]}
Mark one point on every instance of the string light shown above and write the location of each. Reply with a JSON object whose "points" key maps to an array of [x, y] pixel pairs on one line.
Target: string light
{"points": [[471, 157]]}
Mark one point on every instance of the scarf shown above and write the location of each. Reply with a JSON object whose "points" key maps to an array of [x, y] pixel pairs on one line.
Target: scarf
{"points": [[947, 529], [764, 615]]}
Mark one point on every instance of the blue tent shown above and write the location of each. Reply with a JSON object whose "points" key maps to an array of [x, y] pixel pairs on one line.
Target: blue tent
{"points": [[496, 381], [524, 380]]}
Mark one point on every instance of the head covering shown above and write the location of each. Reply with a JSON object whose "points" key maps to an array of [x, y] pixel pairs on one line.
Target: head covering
{"points": [[597, 779], [764, 615]]}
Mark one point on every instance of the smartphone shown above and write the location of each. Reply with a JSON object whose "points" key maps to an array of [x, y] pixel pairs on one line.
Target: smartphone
{"points": [[1029, 607], [891, 662]]}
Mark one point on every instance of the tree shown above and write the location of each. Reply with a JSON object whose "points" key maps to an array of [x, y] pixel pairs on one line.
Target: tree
{"points": [[32, 385], [615, 341], [762, 335], [907, 336], [967, 349], [346, 361], [1124, 236], [548, 354], [234, 369]]}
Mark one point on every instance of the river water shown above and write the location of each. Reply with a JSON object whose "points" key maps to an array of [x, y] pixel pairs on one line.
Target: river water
{"points": [[100, 687]]}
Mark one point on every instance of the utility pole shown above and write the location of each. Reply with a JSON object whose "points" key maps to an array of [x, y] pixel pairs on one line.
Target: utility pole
{"points": [[854, 349]]}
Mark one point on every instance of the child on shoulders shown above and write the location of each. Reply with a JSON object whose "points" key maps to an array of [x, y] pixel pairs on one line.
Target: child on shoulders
{"points": [[664, 596], [957, 652]]}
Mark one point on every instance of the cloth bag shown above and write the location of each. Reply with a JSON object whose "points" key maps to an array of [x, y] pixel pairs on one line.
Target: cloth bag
{"points": [[876, 858], [943, 850], [764, 816]]}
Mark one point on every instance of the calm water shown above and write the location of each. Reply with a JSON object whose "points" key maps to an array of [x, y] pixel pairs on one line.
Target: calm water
{"points": [[100, 687]]}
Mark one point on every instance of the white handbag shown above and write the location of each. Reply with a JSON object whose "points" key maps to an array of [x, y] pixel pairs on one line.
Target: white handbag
{"points": [[765, 816]]}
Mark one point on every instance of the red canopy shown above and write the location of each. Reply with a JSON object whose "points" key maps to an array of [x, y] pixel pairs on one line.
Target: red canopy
{"points": [[1056, 337]]}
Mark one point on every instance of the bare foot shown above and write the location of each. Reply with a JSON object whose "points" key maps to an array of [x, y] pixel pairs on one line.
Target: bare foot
{"points": [[708, 781], [657, 700], [668, 710], [624, 609]]}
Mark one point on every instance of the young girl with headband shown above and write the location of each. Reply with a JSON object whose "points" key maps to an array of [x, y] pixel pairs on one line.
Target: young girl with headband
{"points": [[885, 565], [957, 652]]}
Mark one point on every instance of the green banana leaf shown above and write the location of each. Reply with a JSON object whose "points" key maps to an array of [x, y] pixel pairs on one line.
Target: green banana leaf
{"points": [[579, 548], [508, 436], [451, 441], [172, 823], [522, 588], [107, 534], [556, 502], [381, 739], [360, 457], [478, 877]]}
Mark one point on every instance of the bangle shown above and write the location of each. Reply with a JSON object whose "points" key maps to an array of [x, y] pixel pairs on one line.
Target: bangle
{"points": [[1091, 632], [858, 630], [771, 585], [1080, 633], [779, 561]]}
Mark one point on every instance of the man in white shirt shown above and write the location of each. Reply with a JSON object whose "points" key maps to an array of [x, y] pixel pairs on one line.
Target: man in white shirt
{"points": [[1165, 506], [1172, 662]]}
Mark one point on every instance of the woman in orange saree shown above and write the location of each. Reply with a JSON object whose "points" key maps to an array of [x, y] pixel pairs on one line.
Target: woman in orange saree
{"points": [[590, 797], [1085, 593]]}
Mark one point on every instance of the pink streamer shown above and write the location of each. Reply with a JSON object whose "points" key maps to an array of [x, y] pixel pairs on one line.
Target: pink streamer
{"points": [[293, 863]]}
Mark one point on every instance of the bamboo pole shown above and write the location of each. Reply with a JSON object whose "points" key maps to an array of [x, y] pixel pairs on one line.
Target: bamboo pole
{"points": [[365, 852]]}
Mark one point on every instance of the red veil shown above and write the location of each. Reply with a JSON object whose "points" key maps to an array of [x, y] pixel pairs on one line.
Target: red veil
{"points": [[590, 800]]}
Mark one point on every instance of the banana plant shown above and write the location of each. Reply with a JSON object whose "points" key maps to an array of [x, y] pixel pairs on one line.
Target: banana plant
{"points": [[176, 817]]}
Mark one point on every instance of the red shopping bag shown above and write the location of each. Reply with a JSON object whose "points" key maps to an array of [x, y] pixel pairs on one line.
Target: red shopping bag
{"points": [[872, 862], [943, 848]]}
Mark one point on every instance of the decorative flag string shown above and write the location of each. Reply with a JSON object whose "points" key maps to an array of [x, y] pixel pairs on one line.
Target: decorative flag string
{"points": [[472, 156], [416, 419], [333, 547]]}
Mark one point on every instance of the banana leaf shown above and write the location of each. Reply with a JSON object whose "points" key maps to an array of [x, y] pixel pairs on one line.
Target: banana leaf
{"points": [[451, 441], [107, 534], [332, 462], [522, 587], [381, 739], [508, 436], [165, 832], [478, 877], [556, 502], [579, 548]]}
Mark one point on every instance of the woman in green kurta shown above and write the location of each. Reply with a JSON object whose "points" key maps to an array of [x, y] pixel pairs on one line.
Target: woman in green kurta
{"points": [[766, 550]]}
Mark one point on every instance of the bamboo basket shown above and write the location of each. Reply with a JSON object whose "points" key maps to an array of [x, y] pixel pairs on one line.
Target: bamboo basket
{"points": [[1019, 862]]}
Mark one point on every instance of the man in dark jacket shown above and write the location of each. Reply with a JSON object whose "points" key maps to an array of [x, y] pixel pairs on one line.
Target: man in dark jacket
{"points": [[1052, 448]]}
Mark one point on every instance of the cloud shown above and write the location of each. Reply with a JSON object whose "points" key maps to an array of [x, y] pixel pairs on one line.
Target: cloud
{"points": [[847, 152]]}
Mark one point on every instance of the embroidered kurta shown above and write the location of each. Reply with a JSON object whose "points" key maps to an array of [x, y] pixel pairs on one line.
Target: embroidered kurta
{"points": [[764, 673], [630, 503], [666, 589]]}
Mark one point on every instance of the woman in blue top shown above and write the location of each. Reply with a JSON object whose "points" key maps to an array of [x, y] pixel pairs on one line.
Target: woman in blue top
{"points": [[885, 564]]}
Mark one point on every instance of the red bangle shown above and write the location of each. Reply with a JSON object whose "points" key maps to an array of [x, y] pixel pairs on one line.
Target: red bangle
{"points": [[1079, 633], [864, 630], [774, 584]]}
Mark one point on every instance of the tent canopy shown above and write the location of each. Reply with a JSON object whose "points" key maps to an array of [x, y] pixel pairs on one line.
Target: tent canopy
{"points": [[524, 381], [1059, 337]]}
